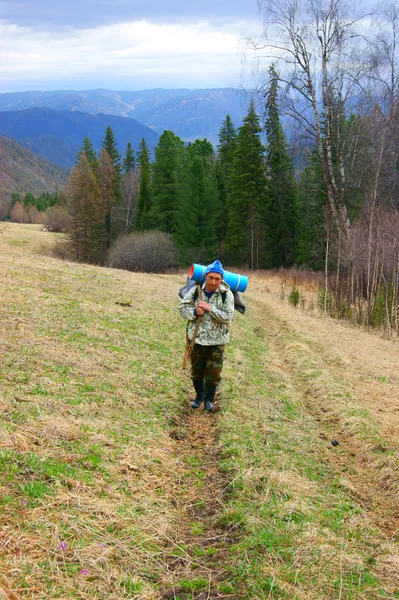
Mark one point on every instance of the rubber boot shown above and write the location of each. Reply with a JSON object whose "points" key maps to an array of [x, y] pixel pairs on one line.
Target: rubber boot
{"points": [[199, 386], [210, 392]]}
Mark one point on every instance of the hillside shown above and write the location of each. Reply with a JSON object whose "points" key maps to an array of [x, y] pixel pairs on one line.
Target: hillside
{"points": [[191, 114], [23, 171], [112, 487], [57, 135]]}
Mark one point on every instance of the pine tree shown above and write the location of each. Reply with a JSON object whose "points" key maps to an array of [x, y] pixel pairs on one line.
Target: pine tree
{"points": [[166, 181], [145, 194], [246, 231], [283, 214], [196, 221], [129, 162], [87, 148], [84, 207]]}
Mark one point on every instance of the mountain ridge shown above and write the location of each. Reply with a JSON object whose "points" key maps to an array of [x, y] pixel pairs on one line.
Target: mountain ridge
{"points": [[191, 114], [24, 171], [58, 134]]}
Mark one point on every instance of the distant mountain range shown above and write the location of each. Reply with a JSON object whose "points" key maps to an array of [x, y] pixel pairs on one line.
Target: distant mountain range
{"points": [[58, 134], [191, 114], [23, 171]]}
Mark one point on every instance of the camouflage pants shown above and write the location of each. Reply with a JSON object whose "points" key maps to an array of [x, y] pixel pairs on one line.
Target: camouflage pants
{"points": [[207, 363]]}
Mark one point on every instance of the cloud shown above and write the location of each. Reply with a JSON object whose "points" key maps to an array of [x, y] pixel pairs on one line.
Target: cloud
{"points": [[131, 51]]}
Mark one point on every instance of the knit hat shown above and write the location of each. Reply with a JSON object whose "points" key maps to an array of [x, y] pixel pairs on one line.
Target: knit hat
{"points": [[215, 267]]}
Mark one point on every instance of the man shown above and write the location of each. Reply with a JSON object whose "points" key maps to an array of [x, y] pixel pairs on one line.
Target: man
{"points": [[209, 314]]}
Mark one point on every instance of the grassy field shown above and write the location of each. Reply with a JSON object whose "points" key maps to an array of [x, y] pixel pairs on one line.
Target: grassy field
{"points": [[111, 487]]}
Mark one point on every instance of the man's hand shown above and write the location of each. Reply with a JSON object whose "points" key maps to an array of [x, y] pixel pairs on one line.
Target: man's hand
{"points": [[199, 311], [204, 306]]}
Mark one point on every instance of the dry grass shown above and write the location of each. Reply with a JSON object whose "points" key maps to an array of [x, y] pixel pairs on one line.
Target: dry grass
{"points": [[25, 239], [110, 489], [364, 361], [87, 396]]}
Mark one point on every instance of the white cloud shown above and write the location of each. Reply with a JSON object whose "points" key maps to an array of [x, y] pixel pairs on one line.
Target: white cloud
{"points": [[185, 51]]}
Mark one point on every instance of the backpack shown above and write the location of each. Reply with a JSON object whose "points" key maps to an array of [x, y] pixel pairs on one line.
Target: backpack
{"points": [[238, 301]]}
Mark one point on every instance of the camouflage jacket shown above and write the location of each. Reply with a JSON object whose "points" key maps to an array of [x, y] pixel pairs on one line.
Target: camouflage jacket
{"points": [[214, 327]]}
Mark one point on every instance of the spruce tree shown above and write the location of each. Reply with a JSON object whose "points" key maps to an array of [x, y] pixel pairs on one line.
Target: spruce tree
{"points": [[87, 148], [221, 204], [29, 200], [246, 231], [196, 221], [223, 166], [166, 182], [110, 145], [143, 220], [312, 201], [227, 140], [129, 162], [283, 214]]}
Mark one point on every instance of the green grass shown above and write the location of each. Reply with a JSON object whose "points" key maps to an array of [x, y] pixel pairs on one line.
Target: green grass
{"points": [[131, 587], [196, 528], [193, 584], [36, 489]]}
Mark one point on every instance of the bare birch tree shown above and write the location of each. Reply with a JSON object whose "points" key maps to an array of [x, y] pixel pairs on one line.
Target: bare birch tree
{"points": [[131, 191], [124, 216], [380, 89], [313, 41]]}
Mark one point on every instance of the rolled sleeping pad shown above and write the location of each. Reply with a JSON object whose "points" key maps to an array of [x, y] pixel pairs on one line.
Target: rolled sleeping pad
{"points": [[237, 283]]}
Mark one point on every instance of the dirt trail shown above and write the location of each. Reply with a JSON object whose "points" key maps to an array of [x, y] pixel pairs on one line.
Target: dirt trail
{"points": [[197, 559], [345, 381], [337, 380]]}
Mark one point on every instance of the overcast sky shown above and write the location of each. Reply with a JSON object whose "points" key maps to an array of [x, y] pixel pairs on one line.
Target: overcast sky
{"points": [[124, 44]]}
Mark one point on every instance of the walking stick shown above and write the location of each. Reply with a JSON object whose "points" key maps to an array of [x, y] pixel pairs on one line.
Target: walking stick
{"points": [[190, 345]]}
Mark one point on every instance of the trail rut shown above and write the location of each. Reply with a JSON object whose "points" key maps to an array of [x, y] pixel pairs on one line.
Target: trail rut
{"points": [[331, 392], [197, 562]]}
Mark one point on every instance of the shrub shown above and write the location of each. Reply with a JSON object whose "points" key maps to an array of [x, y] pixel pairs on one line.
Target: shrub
{"points": [[64, 250], [57, 219], [325, 301], [147, 251], [382, 306], [40, 218], [294, 296]]}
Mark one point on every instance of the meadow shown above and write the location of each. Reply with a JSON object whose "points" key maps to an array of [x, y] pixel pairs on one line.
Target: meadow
{"points": [[111, 487]]}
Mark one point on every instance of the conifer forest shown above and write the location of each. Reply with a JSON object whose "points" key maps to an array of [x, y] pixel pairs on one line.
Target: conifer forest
{"points": [[308, 180]]}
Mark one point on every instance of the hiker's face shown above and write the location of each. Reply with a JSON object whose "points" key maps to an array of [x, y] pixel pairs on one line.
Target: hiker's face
{"points": [[213, 280]]}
